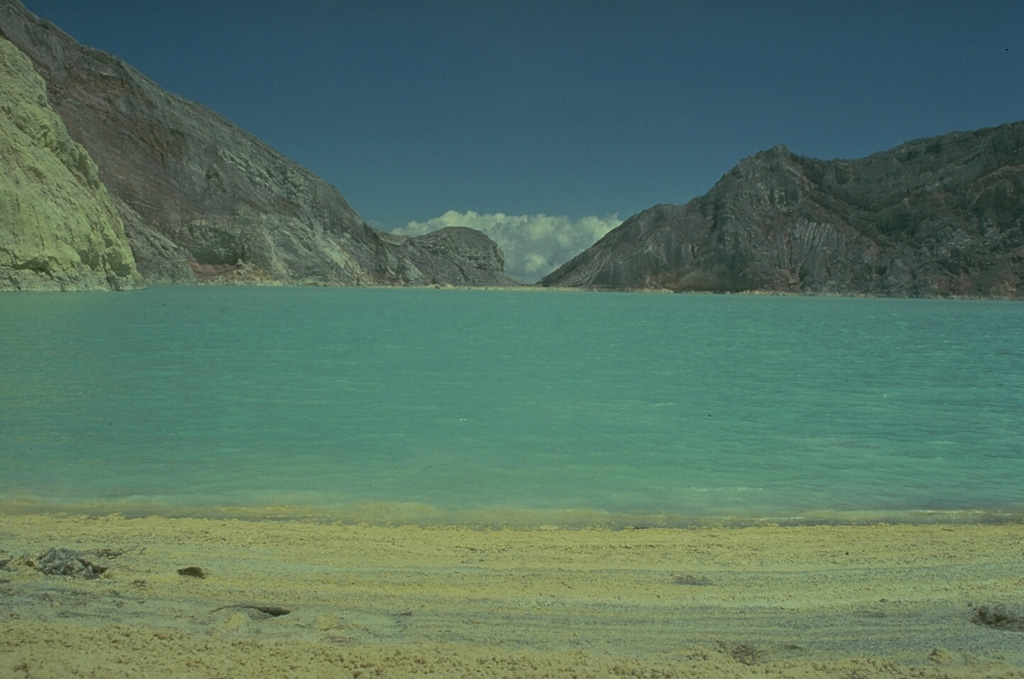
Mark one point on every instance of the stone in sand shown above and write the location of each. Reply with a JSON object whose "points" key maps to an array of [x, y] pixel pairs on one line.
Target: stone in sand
{"points": [[999, 617], [60, 561]]}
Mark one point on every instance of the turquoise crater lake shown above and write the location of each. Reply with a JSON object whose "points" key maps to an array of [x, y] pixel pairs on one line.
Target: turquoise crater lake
{"points": [[465, 405]]}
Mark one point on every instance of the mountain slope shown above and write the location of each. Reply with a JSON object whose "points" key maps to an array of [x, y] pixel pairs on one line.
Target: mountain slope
{"points": [[202, 199], [58, 227], [931, 217]]}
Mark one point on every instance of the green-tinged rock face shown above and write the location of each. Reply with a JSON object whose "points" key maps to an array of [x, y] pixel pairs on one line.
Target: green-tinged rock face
{"points": [[203, 201], [58, 228]]}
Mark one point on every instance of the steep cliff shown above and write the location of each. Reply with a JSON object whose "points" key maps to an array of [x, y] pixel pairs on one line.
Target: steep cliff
{"points": [[932, 217], [202, 200], [58, 228]]}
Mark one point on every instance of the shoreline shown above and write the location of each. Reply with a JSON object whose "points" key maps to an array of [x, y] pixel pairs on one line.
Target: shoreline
{"points": [[533, 287], [305, 597], [392, 514]]}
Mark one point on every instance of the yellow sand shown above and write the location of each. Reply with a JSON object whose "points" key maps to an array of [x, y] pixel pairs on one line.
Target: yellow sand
{"points": [[449, 601]]}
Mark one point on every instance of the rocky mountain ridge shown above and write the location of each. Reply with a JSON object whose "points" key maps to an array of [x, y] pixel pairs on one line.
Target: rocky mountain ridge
{"points": [[201, 200], [942, 216]]}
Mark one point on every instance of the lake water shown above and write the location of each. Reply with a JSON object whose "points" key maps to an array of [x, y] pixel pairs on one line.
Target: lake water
{"points": [[509, 406]]}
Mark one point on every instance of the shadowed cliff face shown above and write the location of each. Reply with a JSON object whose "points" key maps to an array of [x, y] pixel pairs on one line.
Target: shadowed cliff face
{"points": [[203, 200], [932, 217]]}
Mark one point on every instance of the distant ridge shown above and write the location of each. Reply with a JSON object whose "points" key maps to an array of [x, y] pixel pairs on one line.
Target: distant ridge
{"points": [[942, 216], [201, 200]]}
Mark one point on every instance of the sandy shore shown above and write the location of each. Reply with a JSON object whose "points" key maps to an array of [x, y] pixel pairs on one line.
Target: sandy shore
{"points": [[301, 599]]}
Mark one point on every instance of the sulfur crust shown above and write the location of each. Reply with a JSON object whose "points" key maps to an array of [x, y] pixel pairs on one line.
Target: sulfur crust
{"points": [[374, 600]]}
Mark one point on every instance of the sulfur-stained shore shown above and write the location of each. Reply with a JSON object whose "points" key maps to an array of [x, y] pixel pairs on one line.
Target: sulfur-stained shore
{"points": [[300, 598]]}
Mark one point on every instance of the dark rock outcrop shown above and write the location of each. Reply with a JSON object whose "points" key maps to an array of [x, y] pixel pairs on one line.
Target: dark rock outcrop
{"points": [[455, 255], [1000, 617], [202, 200], [932, 217]]}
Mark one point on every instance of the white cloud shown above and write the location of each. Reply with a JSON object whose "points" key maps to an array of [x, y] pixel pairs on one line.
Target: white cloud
{"points": [[534, 245]]}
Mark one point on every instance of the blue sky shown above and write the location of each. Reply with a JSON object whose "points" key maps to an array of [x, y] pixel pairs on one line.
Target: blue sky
{"points": [[415, 110]]}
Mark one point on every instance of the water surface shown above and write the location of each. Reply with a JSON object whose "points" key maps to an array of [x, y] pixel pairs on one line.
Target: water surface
{"points": [[505, 404]]}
